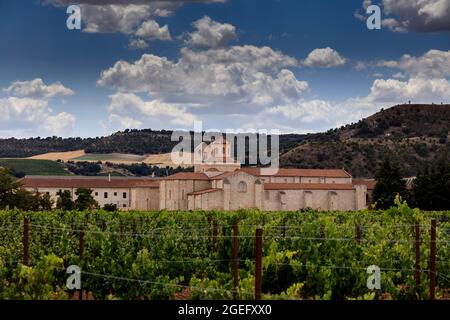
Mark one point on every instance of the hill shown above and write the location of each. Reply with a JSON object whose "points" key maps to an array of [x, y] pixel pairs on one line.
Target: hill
{"points": [[414, 134], [128, 142]]}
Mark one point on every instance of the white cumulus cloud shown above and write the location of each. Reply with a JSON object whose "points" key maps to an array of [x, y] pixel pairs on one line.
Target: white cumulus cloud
{"points": [[415, 15], [22, 117], [384, 93], [418, 90], [37, 89], [306, 111], [211, 34], [150, 30], [136, 18], [137, 44], [59, 124], [434, 63], [210, 80], [26, 112], [133, 109], [324, 58], [238, 74]]}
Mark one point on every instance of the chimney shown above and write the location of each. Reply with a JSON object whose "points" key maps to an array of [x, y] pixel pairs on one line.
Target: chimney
{"points": [[109, 177]]}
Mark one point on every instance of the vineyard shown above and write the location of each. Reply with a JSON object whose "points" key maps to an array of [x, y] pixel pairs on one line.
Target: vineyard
{"points": [[215, 255]]}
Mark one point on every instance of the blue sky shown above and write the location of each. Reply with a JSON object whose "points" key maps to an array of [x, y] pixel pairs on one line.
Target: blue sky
{"points": [[296, 66]]}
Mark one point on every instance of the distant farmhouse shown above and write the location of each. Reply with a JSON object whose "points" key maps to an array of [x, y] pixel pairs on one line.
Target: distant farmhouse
{"points": [[219, 182]]}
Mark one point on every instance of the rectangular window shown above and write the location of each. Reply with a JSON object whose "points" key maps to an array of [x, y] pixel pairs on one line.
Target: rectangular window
{"points": [[115, 194], [124, 195], [105, 195], [48, 193], [96, 194], [124, 205]]}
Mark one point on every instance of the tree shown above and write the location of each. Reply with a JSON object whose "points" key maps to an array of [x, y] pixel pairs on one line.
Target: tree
{"points": [[441, 180], [8, 188], [45, 202], [110, 207], [85, 200], [431, 188], [13, 196], [389, 184], [64, 201]]}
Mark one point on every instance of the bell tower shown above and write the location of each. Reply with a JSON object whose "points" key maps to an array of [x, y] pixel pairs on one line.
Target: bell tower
{"points": [[215, 156]]}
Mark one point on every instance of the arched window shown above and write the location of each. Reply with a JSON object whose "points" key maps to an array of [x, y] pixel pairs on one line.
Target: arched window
{"points": [[242, 186]]}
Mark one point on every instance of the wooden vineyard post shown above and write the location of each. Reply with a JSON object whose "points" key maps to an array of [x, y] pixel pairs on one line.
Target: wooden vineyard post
{"points": [[258, 264], [358, 234], [235, 259], [52, 232], [433, 260], [214, 236], [417, 248], [225, 243], [211, 234], [26, 241], [81, 252], [322, 233]]}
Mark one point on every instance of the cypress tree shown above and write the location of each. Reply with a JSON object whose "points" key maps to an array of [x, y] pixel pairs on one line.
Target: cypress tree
{"points": [[389, 184], [432, 186]]}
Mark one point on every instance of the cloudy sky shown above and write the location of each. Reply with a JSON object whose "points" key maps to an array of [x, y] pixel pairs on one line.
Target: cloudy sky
{"points": [[296, 66]]}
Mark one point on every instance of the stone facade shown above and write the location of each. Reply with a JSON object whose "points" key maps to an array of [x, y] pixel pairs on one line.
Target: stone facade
{"points": [[125, 193], [219, 183], [240, 189]]}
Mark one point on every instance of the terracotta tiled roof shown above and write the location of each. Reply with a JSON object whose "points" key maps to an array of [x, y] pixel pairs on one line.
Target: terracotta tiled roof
{"points": [[223, 175], [203, 191], [212, 174], [266, 172], [370, 183], [87, 182], [308, 186], [187, 176], [327, 173]]}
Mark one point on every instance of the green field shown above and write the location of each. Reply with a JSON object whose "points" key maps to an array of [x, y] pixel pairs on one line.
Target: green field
{"points": [[34, 167]]}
